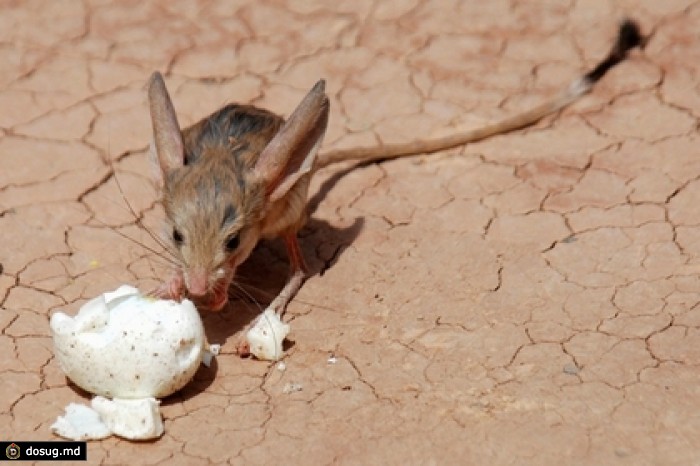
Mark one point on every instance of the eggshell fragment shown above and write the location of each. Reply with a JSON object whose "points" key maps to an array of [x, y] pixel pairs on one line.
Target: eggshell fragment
{"points": [[80, 423], [124, 345], [266, 336], [210, 353], [132, 419]]}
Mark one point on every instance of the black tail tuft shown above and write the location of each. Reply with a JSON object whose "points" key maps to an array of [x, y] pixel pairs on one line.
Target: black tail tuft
{"points": [[628, 37]]}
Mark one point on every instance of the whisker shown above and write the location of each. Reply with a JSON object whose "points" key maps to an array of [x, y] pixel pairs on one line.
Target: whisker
{"points": [[248, 295], [241, 282], [166, 255], [249, 306], [171, 261], [165, 247], [137, 218]]}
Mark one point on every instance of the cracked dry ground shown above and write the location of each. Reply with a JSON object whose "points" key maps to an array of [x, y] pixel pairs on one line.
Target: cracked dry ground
{"points": [[531, 299]]}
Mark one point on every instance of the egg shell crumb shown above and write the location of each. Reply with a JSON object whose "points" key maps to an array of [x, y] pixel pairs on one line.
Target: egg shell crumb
{"points": [[266, 336], [80, 422], [130, 419]]}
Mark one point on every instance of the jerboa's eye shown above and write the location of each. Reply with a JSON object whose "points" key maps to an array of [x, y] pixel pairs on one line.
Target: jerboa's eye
{"points": [[177, 236], [232, 242]]}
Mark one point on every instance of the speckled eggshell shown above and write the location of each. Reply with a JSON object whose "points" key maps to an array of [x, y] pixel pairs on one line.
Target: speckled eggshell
{"points": [[124, 345], [265, 338], [133, 419]]}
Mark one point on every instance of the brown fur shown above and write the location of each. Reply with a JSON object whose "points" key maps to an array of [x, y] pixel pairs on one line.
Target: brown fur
{"points": [[238, 175], [218, 175]]}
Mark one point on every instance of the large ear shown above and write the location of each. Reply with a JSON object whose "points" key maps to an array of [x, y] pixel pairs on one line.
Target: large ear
{"points": [[167, 137], [292, 152]]}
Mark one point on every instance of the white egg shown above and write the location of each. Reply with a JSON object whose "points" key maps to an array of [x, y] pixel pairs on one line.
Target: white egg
{"points": [[124, 345]]}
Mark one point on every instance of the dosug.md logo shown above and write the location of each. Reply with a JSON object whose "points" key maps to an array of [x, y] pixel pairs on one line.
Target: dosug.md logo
{"points": [[12, 451]]}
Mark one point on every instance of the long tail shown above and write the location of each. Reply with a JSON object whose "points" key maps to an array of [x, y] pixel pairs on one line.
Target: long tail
{"points": [[628, 38]]}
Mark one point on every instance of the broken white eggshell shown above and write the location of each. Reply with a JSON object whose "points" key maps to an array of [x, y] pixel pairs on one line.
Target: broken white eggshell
{"points": [[132, 419], [80, 423], [266, 336], [125, 345]]}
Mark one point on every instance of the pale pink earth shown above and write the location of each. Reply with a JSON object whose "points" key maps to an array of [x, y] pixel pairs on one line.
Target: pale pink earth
{"points": [[531, 299]]}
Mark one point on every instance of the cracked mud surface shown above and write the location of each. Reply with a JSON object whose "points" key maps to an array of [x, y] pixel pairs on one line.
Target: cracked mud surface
{"points": [[530, 299]]}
